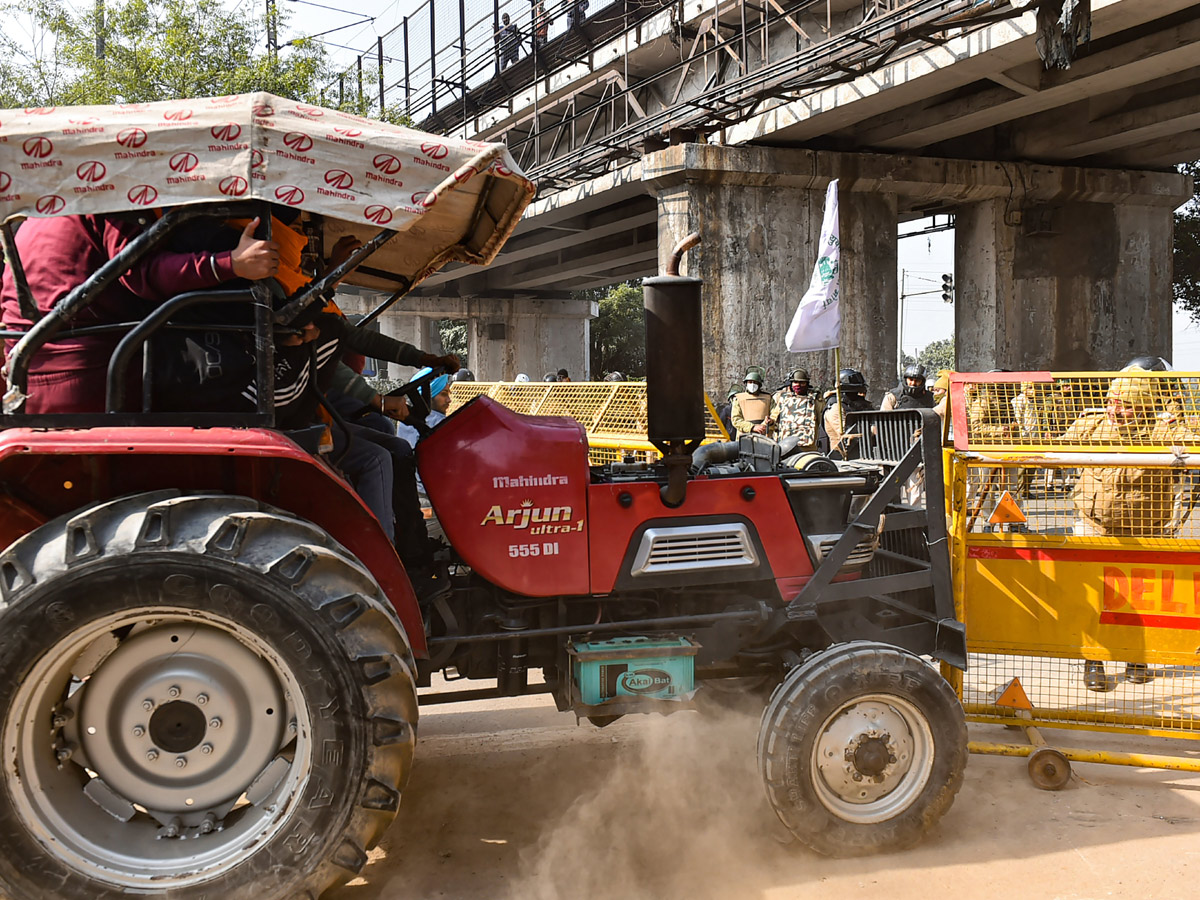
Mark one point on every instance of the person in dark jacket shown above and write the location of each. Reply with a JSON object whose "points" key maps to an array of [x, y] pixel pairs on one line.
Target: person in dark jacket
{"points": [[911, 393]]}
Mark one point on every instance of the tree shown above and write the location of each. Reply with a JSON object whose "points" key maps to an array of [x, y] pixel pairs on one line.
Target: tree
{"points": [[138, 51], [619, 332], [1187, 248], [454, 338], [937, 355]]}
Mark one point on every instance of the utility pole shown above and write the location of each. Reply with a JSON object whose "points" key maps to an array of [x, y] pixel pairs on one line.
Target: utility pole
{"points": [[100, 29], [272, 35]]}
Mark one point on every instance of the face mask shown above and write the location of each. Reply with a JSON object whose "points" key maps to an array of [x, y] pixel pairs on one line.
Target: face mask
{"points": [[800, 389], [753, 386]]}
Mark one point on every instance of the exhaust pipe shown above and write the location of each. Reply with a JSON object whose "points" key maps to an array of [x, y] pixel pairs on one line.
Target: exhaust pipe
{"points": [[674, 369]]}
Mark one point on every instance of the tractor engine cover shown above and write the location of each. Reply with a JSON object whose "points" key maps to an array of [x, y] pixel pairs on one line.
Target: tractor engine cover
{"points": [[511, 493]]}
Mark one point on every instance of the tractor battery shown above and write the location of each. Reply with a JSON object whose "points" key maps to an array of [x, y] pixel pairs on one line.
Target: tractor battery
{"points": [[626, 674]]}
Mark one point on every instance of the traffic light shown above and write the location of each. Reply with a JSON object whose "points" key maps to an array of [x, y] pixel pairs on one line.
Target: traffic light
{"points": [[947, 288]]}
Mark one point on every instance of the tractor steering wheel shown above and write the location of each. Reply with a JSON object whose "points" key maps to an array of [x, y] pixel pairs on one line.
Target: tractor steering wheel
{"points": [[419, 395]]}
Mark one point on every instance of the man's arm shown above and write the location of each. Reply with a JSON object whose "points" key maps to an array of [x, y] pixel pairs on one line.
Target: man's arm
{"points": [[167, 274], [380, 346], [889, 402]]}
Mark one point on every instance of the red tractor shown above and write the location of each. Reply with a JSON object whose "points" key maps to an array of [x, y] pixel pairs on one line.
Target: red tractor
{"points": [[210, 652]]}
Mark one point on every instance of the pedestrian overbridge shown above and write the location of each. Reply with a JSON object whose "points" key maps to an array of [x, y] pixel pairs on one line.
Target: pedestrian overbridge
{"points": [[643, 121]]}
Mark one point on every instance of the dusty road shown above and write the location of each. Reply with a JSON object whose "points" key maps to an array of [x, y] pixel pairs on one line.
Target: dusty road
{"points": [[512, 800]]}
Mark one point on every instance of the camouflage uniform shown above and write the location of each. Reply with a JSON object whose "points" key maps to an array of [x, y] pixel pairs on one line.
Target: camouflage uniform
{"points": [[797, 414]]}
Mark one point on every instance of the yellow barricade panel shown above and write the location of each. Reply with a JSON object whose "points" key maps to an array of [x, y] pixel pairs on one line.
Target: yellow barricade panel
{"points": [[1074, 544]]}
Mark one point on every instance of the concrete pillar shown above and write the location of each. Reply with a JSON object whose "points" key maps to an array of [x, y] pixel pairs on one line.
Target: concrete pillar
{"points": [[759, 246], [1066, 286], [531, 337]]}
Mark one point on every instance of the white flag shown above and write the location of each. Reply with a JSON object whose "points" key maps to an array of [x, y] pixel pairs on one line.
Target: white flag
{"points": [[817, 324]]}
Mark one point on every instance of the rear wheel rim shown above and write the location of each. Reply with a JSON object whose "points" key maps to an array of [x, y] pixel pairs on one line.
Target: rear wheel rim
{"points": [[183, 723], [872, 758]]}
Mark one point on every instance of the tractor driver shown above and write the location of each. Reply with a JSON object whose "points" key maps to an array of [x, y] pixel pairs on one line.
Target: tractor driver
{"points": [[60, 253], [751, 409]]}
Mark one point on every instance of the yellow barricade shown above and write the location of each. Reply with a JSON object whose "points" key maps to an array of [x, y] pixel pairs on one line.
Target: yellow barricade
{"points": [[1075, 554], [612, 413]]}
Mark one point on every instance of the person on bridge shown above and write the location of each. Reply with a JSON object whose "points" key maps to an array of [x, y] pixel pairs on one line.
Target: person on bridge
{"points": [[541, 24], [797, 411], [751, 409], [508, 42], [911, 393], [853, 388]]}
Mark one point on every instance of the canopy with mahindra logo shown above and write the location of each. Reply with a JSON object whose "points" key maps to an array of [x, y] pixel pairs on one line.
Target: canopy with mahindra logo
{"points": [[452, 199]]}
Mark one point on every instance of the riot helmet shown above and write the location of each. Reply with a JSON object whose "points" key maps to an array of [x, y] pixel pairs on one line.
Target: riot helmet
{"points": [[614, 376], [464, 375], [1148, 364], [851, 381]]}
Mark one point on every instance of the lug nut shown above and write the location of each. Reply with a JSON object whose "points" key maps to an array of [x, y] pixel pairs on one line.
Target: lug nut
{"points": [[174, 691], [206, 749], [892, 758], [201, 699], [172, 828], [61, 719], [147, 705], [209, 823], [152, 754], [214, 722], [180, 762], [857, 776], [138, 731], [64, 753]]}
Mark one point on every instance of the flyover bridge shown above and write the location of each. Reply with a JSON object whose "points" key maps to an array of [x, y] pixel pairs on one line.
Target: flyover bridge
{"points": [[643, 120]]}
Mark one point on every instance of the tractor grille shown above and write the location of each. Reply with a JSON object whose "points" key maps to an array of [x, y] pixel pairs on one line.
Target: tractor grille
{"points": [[694, 548], [859, 556]]}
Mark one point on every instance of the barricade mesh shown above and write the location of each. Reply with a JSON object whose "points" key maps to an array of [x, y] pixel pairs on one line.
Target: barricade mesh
{"points": [[1168, 701], [612, 413]]}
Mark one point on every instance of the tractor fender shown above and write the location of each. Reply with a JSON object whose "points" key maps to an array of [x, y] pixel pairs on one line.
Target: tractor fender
{"points": [[48, 473]]}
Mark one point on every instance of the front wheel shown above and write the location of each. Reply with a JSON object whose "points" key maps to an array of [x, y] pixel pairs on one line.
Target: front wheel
{"points": [[199, 697], [862, 749]]}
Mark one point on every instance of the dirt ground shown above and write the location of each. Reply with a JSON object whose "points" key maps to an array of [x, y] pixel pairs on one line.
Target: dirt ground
{"points": [[511, 799]]}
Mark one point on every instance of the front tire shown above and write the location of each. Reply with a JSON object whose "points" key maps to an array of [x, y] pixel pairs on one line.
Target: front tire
{"points": [[862, 749], [199, 696]]}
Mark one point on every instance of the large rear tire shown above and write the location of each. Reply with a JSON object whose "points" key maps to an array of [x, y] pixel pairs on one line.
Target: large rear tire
{"points": [[862, 749], [199, 696]]}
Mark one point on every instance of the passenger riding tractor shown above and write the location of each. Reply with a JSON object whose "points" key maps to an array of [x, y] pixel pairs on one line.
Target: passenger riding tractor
{"points": [[209, 649]]}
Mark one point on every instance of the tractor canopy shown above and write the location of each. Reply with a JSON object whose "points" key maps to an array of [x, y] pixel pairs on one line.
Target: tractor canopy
{"points": [[451, 199]]}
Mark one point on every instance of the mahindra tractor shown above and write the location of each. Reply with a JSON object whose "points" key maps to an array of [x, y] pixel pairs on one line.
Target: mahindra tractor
{"points": [[210, 652]]}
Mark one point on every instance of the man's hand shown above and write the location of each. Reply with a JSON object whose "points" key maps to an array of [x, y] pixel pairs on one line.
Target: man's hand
{"points": [[255, 259], [449, 362], [392, 407], [760, 428]]}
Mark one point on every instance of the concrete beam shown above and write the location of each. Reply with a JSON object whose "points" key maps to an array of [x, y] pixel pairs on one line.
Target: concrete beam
{"points": [[487, 307], [912, 178]]}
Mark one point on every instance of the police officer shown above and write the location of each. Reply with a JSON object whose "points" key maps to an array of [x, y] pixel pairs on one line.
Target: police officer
{"points": [[1120, 500], [911, 393], [853, 387], [751, 409], [797, 411]]}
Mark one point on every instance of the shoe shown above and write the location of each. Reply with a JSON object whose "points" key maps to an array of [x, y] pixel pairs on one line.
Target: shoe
{"points": [[1138, 673], [1096, 679]]}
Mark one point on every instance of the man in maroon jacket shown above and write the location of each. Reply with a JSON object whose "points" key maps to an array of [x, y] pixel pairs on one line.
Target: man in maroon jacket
{"points": [[60, 253]]}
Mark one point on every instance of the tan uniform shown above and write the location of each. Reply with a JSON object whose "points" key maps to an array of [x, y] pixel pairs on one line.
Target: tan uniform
{"points": [[749, 410], [1119, 500]]}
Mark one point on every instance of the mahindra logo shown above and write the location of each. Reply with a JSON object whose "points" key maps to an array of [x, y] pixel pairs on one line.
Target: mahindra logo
{"points": [[227, 132], [301, 143], [465, 173], [225, 101], [256, 159], [378, 214], [177, 115], [501, 169], [131, 137], [39, 110], [5, 182], [424, 198], [50, 204], [184, 162], [289, 194], [91, 171], [263, 110], [386, 163], [312, 111], [349, 132], [38, 147], [339, 178], [233, 186], [142, 194], [89, 120], [434, 151]]}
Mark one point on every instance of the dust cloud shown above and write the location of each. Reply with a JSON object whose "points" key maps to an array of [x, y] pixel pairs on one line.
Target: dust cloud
{"points": [[680, 813]]}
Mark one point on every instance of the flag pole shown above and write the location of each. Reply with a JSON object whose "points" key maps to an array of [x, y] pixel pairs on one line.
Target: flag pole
{"points": [[837, 374]]}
